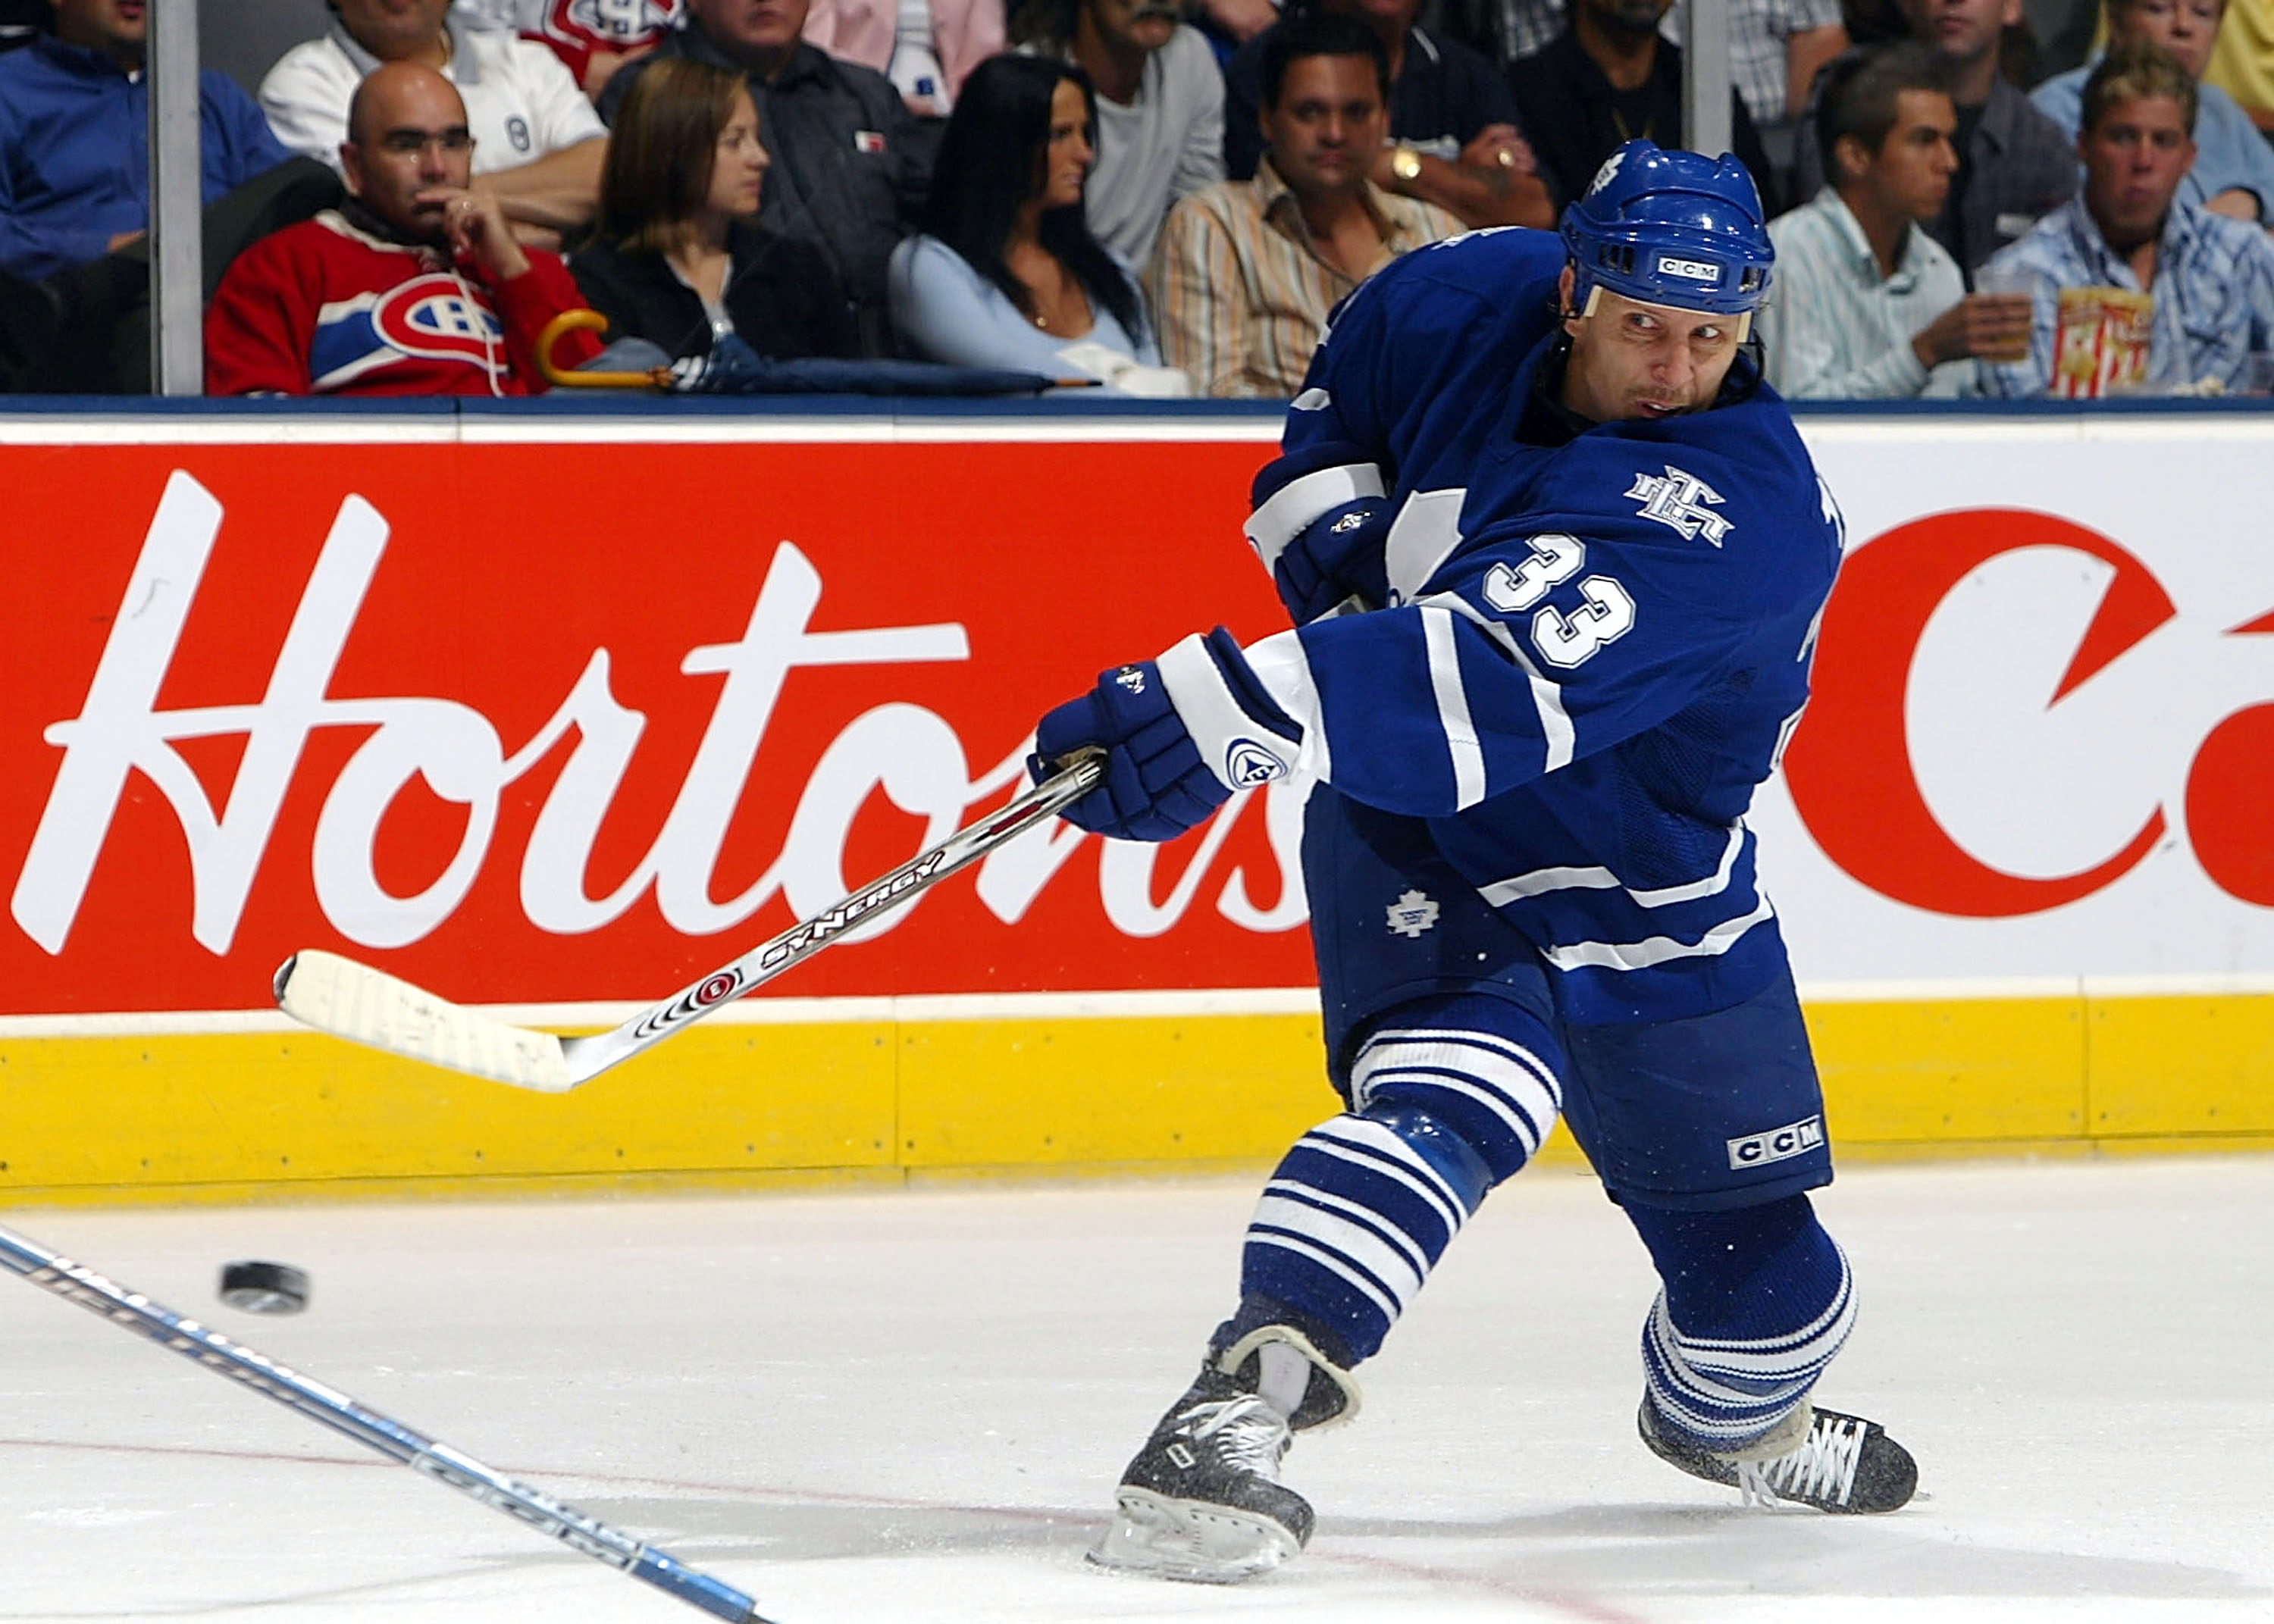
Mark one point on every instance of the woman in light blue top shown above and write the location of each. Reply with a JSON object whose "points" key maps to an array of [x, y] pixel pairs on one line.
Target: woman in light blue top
{"points": [[1006, 272]]}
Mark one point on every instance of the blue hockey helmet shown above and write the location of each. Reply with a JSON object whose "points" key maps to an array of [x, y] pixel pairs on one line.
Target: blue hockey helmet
{"points": [[1671, 228]]}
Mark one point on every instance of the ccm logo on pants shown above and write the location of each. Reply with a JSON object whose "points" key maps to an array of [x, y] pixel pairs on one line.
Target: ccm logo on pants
{"points": [[1776, 1145]]}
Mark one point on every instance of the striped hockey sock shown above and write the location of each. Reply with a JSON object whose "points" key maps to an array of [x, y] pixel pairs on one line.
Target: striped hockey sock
{"points": [[1365, 1204], [1755, 1303]]}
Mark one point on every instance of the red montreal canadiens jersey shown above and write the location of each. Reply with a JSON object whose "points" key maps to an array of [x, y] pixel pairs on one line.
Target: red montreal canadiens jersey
{"points": [[576, 28], [322, 308]]}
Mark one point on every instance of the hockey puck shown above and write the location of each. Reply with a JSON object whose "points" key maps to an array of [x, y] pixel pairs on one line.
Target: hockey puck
{"points": [[264, 1288]]}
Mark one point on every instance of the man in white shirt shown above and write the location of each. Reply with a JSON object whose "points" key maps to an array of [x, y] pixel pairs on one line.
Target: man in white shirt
{"points": [[538, 142], [1867, 305], [1160, 110]]}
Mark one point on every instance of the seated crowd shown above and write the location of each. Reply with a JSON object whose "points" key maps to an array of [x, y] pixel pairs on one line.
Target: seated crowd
{"points": [[1141, 197]]}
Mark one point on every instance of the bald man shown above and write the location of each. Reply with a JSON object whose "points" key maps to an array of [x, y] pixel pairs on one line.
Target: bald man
{"points": [[415, 286]]}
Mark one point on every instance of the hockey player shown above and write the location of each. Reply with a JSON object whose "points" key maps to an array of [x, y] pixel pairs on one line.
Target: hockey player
{"points": [[1589, 553]]}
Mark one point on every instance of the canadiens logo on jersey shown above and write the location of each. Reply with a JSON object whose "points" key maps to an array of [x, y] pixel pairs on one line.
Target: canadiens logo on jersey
{"points": [[1681, 502], [436, 316], [609, 23]]}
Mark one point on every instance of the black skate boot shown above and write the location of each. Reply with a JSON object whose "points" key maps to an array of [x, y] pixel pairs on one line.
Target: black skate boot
{"points": [[1202, 1500], [1818, 1457]]}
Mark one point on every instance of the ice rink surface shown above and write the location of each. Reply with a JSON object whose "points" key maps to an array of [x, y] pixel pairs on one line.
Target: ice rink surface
{"points": [[912, 1406]]}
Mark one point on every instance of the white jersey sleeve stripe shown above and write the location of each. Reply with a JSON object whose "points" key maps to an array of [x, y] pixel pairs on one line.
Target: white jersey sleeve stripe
{"points": [[1656, 950], [1547, 699], [1538, 882], [1423, 535], [1299, 502], [1462, 745]]}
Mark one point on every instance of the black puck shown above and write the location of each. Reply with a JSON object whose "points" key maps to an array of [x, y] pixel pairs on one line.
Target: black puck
{"points": [[264, 1288]]}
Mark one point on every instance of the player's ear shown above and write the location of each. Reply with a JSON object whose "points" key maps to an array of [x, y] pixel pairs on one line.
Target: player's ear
{"points": [[1564, 283], [351, 167]]}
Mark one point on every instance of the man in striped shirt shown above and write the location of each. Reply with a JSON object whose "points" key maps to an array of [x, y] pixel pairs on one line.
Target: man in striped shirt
{"points": [[1246, 270], [2211, 278], [1868, 307]]}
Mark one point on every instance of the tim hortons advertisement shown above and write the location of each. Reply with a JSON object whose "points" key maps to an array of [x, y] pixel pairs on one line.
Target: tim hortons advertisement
{"points": [[533, 723]]}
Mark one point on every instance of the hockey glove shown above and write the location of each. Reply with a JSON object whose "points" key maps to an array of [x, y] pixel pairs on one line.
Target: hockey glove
{"points": [[1337, 556], [1179, 734]]}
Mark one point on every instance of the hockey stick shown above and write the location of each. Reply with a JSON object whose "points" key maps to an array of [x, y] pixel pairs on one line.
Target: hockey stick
{"points": [[135, 1312], [368, 1007]]}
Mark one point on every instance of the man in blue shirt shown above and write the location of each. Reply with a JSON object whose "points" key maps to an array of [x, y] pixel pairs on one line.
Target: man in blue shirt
{"points": [[75, 185], [2211, 278], [2233, 170], [74, 139], [1555, 557]]}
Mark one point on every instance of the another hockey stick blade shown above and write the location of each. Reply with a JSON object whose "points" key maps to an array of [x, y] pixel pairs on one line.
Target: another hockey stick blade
{"points": [[368, 1007], [134, 1312], [371, 1007]]}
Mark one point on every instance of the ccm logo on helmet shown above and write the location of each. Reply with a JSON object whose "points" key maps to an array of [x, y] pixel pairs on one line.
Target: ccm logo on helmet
{"points": [[1696, 270], [1777, 1144]]}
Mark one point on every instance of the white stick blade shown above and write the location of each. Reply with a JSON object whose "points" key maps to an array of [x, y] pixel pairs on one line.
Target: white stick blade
{"points": [[372, 1008]]}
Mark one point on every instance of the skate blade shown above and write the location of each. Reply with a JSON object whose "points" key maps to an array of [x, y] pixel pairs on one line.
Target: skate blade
{"points": [[1190, 1540]]}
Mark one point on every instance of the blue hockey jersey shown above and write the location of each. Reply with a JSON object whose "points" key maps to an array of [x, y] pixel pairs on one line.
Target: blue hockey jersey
{"points": [[1592, 651]]}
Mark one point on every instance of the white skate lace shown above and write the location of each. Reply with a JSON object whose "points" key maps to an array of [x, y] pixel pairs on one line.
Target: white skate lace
{"points": [[1822, 1469], [1249, 1435]]}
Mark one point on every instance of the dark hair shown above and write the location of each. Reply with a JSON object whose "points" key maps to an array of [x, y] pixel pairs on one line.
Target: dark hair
{"points": [[2130, 72], [662, 149], [1046, 26], [1308, 33], [1857, 95], [990, 162]]}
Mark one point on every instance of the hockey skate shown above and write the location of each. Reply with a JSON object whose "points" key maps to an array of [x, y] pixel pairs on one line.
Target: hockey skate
{"points": [[1202, 1501], [1816, 1457]]}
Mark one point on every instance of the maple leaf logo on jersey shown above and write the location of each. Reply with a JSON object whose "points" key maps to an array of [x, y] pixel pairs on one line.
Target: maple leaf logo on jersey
{"points": [[1681, 502], [1412, 913]]}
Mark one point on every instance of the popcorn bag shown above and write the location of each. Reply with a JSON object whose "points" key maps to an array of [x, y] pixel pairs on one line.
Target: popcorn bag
{"points": [[2101, 344]]}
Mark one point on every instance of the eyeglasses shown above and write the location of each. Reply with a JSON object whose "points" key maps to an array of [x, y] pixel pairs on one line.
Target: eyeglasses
{"points": [[410, 143]]}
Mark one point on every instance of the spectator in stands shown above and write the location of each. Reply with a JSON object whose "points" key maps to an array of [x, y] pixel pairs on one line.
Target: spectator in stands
{"points": [[2234, 167], [74, 139], [1246, 271], [2211, 278], [2242, 62], [1776, 49], [680, 259], [2015, 165], [1452, 122], [75, 194], [926, 48], [592, 40], [1005, 272], [849, 165], [1160, 108], [540, 143], [415, 286], [1606, 79], [1867, 305]]}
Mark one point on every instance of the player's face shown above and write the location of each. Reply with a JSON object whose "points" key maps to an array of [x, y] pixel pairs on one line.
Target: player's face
{"points": [[2187, 28], [738, 163], [118, 27], [1327, 125], [392, 29], [1911, 171], [1637, 363], [1133, 25], [413, 141], [762, 29], [2134, 160], [1961, 30], [1069, 152]]}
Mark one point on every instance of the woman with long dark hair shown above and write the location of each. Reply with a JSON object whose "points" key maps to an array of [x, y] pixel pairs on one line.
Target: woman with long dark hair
{"points": [[679, 258], [1005, 271]]}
